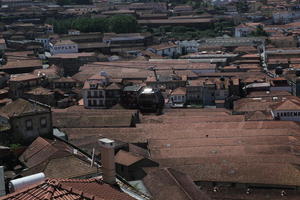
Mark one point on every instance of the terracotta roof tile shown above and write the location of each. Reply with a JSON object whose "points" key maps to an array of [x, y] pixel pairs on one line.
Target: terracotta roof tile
{"points": [[42, 149], [289, 104], [23, 77], [40, 91], [168, 183], [23, 63], [22, 107], [71, 189], [179, 91], [127, 158]]}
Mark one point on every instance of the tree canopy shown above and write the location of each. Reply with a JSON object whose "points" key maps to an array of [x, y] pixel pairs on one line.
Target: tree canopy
{"points": [[117, 23], [122, 24]]}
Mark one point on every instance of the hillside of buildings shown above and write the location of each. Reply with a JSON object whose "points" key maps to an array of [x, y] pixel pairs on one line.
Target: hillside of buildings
{"points": [[150, 100]]}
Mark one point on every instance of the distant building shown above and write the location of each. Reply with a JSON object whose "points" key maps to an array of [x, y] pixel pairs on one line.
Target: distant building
{"points": [[27, 119], [166, 49], [130, 165], [188, 46], [18, 84], [156, 7], [283, 17], [183, 10], [49, 28], [42, 95], [244, 30], [194, 91], [63, 46], [2, 44], [115, 40], [69, 63], [16, 3], [129, 96], [280, 84], [288, 110], [171, 81], [178, 97], [209, 93], [100, 92], [17, 65], [284, 41], [44, 40], [73, 32], [65, 83]]}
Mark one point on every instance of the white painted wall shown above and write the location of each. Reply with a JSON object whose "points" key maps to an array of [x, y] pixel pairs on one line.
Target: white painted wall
{"points": [[178, 98], [190, 46], [100, 98], [44, 41], [66, 48], [242, 32], [167, 52]]}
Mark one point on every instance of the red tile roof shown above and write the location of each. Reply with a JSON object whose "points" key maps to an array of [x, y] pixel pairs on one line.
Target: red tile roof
{"points": [[24, 77], [179, 91], [22, 107], [69, 189], [127, 158], [168, 183], [43, 149], [21, 63], [289, 104]]}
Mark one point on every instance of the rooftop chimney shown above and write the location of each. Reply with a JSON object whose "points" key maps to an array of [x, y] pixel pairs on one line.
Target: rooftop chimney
{"points": [[2, 183], [107, 149]]}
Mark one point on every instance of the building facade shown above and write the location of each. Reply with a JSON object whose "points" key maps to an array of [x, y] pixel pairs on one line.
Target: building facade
{"points": [[63, 46], [28, 120], [288, 110], [168, 49], [100, 92]]}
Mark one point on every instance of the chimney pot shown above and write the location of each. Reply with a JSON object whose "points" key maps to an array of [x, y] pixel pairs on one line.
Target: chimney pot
{"points": [[107, 149]]}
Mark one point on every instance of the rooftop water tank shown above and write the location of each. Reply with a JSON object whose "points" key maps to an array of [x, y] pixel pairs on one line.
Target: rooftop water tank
{"points": [[20, 183]]}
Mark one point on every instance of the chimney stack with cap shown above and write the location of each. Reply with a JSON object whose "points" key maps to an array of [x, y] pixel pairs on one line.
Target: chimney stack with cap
{"points": [[107, 149], [2, 182]]}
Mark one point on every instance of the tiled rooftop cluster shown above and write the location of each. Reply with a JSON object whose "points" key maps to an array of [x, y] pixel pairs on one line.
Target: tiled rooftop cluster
{"points": [[126, 99]]}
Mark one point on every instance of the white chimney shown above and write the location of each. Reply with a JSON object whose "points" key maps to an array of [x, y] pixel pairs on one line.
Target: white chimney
{"points": [[107, 149], [2, 183]]}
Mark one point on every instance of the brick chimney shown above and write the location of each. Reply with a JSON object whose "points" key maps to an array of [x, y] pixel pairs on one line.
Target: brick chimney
{"points": [[107, 150], [2, 183]]}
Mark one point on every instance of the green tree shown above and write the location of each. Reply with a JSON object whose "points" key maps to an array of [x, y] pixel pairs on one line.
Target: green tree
{"points": [[123, 24], [118, 24]]}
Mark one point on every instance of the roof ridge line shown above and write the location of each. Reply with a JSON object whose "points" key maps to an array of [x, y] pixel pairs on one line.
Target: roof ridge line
{"points": [[8, 196], [79, 192]]}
